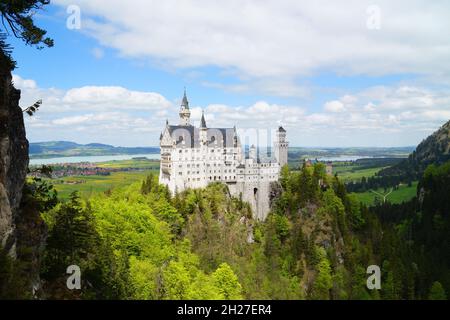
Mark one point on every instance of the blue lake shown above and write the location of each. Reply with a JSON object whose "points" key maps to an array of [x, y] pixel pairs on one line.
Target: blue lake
{"points": [[343, 158], [93, 159]]}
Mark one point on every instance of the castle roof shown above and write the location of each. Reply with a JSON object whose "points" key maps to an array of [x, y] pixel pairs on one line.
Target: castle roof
{"points": [[281, 129], [219, 137]]}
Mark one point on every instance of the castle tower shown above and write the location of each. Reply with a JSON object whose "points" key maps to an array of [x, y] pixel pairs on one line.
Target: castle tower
{"points": [[281, 147], [329, 168], [252, 153], [185, 113], [203, 130]]}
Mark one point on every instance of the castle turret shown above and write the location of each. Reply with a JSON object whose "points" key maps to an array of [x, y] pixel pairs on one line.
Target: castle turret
{"points": [[203, 130], [185, 113], [329, 168], [281, 147], [252, 153]]}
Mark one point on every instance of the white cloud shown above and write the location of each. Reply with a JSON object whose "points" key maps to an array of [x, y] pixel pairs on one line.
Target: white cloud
{"points": [[379, 111], [21, 83], [276, 39], [378, 116], [90, 98], [72, 120], [370, 107], [334, 106], [267, 85], [114, 97]]}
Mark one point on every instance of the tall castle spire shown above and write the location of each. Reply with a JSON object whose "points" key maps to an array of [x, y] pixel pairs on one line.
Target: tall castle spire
{"points": [[185, 101], [185, 113], [203, 134], [202, 121]]}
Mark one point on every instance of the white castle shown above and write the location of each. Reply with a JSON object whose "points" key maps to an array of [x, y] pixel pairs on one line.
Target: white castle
{"points": [[193, 157]]}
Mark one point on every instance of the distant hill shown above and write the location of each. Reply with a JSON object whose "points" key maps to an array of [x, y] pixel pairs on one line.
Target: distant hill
{"points": [[433, 150], [53, 149]]}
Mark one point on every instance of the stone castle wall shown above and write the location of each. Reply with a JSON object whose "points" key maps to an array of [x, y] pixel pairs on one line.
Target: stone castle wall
{"points": [[257, 194]]}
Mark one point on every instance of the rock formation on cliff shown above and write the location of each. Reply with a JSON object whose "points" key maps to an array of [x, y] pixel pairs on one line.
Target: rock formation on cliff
{"points": [[13, 157]]}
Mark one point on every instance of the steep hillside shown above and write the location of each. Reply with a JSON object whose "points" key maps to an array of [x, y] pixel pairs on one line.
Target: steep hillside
{"points": [[433, 150]]}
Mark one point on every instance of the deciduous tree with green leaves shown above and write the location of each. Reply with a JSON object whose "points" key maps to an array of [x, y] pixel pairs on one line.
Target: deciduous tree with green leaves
{"points": [[227, 282]]}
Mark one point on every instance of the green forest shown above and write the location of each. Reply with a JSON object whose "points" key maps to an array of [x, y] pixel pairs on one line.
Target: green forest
{"points": [[139, 242]]}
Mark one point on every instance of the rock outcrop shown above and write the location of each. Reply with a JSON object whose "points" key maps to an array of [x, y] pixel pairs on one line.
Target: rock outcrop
{"points": [[13, 157]]}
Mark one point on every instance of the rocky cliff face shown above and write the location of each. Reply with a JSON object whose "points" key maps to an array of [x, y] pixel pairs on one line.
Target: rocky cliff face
{"points": [[13, 157]]}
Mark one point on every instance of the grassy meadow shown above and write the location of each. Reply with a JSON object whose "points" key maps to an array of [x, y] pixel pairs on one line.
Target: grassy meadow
{"points": [[89, 185], [132, 163], [348, 171], [403, 193]]}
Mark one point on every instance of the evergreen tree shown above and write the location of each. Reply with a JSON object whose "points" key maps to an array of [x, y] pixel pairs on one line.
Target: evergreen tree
{"points": [[437, 292], [17, 19], [324, 280]]}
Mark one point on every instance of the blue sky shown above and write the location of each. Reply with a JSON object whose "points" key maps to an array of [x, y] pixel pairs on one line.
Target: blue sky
{"points": [[347, 75]]}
